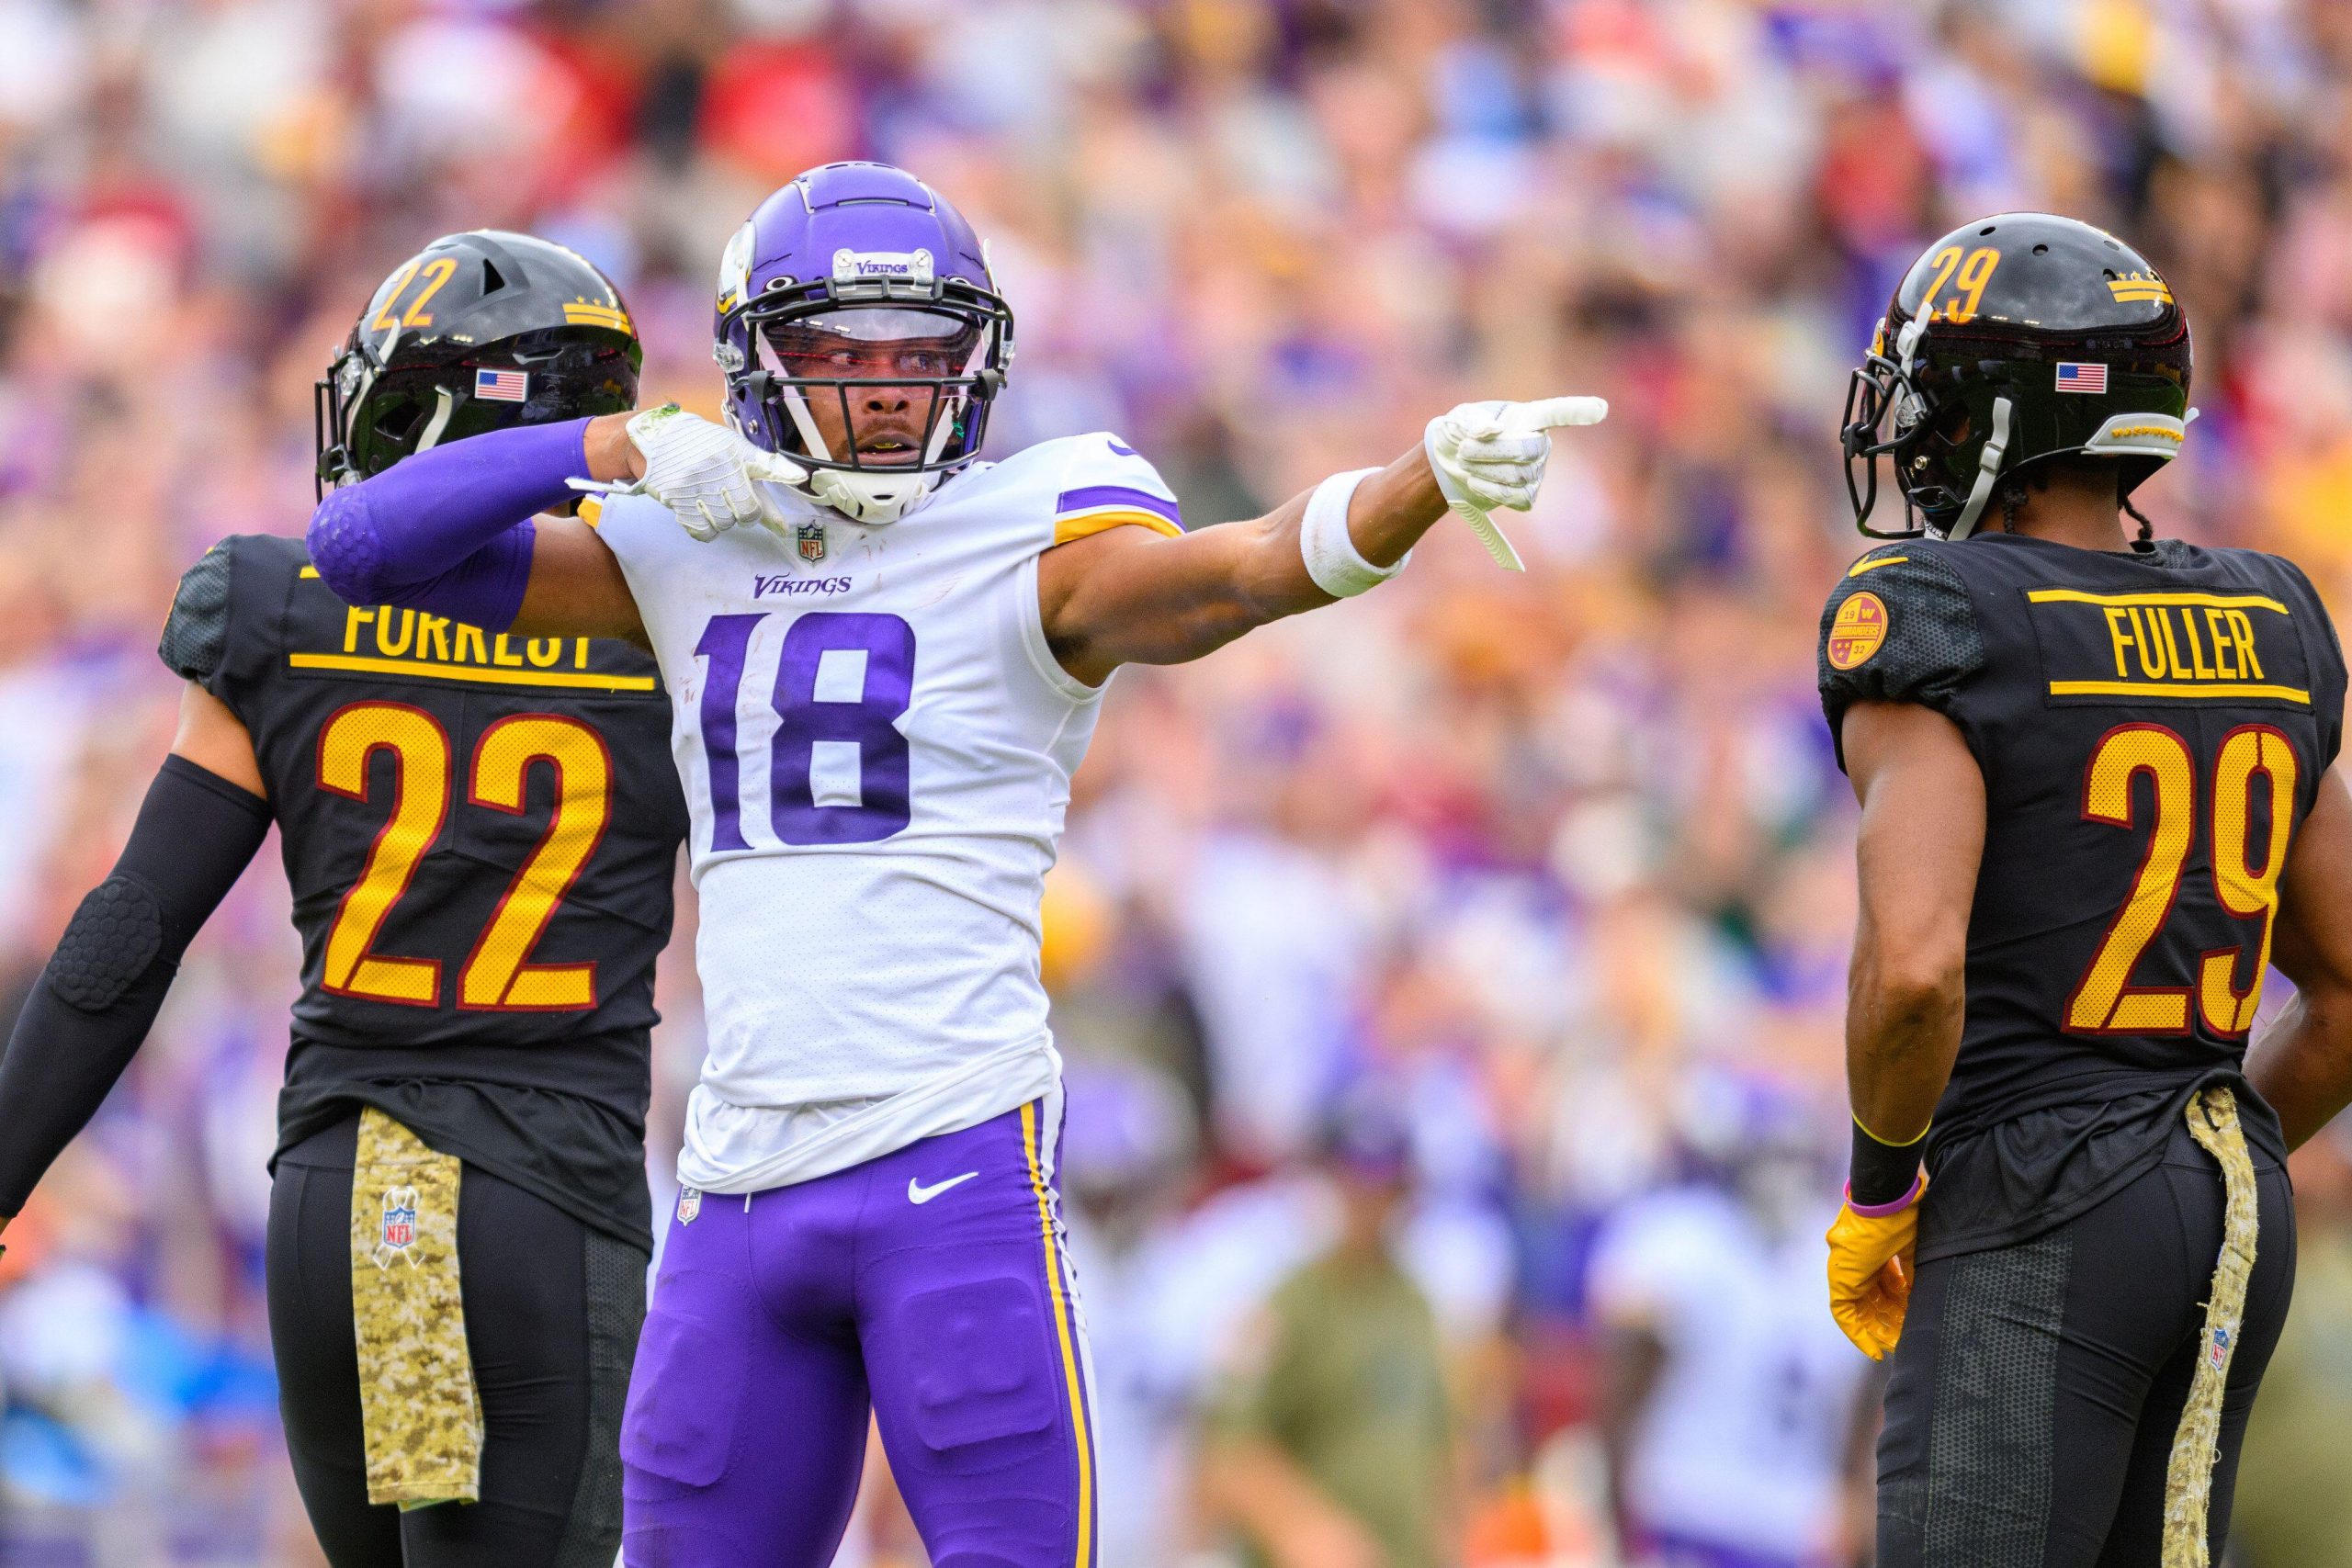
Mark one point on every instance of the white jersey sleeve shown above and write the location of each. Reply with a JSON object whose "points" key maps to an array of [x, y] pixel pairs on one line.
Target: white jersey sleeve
{"points": [[1105, 483]]}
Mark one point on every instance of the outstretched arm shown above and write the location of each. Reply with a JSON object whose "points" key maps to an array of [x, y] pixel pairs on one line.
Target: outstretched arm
{"points": [[1131, 596], [2302, 1064], [203, 818]]}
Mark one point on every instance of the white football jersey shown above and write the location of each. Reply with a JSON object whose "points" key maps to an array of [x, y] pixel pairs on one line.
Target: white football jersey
{"points": [[1742, 1444], [877, 745]]}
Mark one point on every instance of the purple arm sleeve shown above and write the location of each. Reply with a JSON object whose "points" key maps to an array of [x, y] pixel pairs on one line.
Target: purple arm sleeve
{"points": [[449, 530]]}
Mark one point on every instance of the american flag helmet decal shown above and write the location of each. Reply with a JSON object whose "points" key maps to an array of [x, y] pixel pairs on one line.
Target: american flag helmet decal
{"points": [[503, 386]]}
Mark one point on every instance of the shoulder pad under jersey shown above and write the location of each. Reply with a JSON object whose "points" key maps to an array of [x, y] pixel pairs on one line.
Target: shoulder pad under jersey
{"points": [[1899, 627], [196, 633]]}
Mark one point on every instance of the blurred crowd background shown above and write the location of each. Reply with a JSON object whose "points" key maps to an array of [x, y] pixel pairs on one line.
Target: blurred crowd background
{"points": [[1452, 982]]}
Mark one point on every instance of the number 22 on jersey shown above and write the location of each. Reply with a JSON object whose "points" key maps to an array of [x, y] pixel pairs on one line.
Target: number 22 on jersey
{"points": [[2252, 756], [496, 975]]}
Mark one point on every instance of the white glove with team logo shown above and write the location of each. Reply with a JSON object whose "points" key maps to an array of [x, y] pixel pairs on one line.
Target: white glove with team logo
{"points": [[708, 475], [1492, 455]]}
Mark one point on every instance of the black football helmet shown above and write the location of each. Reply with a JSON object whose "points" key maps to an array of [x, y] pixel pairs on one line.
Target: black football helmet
{"points": [[476, 331], [2015, 338]]}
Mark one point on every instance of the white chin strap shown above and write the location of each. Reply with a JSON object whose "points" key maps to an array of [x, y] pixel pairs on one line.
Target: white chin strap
{"points": [[438, 425], [1988, 471]]}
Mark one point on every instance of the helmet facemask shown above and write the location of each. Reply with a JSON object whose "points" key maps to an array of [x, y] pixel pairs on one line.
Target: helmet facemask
{"points": [[1946, 434]]}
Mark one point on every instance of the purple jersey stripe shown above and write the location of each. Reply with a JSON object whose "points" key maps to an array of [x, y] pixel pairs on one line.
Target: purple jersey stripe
{"points": [[1087, 498]]}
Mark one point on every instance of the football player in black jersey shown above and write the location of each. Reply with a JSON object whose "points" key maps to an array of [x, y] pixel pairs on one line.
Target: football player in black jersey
{"points": [[480, 832], [2097, 772]]}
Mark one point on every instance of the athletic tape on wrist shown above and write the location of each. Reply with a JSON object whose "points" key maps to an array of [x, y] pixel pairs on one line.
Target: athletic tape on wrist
{"points": [[1332, 559]]}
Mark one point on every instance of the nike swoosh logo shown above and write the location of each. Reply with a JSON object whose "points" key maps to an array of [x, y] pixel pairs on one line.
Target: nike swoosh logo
{"points": [[917, 1194]]}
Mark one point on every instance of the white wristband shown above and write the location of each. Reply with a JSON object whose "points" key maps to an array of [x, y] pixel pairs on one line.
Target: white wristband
{"points": [[1332, 559]]}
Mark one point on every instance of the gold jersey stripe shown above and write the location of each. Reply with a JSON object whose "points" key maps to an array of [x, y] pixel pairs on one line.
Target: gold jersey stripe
{"points": [[1085, 523], [592, 510], [1862, 566], [433, 669], [2211, 692], [2147, 601], [308, 573]]}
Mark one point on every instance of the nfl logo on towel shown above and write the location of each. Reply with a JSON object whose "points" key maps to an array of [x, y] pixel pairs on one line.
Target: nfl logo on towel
{"points": [[398, 1232], [2074, 377], [504, 386]]}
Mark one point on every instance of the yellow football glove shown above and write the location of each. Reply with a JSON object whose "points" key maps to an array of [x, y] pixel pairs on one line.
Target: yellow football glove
{"points": [[1870, 1274]]}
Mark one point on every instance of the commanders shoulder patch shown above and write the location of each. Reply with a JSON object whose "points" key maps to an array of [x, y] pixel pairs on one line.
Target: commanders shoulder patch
{"points": [[1857, 631]]}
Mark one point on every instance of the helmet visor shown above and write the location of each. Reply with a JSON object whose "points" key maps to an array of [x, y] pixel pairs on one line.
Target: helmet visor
{"points": [[875, 343]]}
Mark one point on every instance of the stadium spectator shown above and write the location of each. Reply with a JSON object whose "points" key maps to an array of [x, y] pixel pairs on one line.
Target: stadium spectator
{"points": [[1331, 1445]]}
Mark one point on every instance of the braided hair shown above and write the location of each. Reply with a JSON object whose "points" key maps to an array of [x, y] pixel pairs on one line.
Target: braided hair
{"points": [[2147, 530]]}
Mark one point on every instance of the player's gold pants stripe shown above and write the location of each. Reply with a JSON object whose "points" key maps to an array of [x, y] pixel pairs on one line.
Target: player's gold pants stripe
{"points": [[2210, 691], [420, 1412], [2207, 600], [1061, 1328], [434, 670], [2196, 1444]]}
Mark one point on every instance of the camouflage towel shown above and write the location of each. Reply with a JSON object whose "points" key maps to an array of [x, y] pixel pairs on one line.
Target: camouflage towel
{"points": [[2196, 1444], [419, 1409]]}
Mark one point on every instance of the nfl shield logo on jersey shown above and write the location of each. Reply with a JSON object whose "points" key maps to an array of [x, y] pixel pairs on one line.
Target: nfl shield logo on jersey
{"points": [[689, 1205], [398, 1232], [812, 539]]}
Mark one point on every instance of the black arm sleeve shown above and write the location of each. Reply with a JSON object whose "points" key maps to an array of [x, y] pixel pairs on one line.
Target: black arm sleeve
{"points": [[104, 985]]}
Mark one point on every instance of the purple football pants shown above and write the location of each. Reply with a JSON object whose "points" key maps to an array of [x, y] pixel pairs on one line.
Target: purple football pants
{"points": [[930, 1286]]}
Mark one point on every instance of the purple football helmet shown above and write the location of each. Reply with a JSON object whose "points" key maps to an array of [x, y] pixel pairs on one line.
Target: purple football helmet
{"points": [[857, 283]]}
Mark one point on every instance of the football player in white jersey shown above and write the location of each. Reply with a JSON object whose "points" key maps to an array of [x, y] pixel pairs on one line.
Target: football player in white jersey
{"points": [[880, 693]]}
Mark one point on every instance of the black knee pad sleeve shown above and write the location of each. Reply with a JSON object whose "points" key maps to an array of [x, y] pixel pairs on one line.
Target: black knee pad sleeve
{"points": [[113, 938]]}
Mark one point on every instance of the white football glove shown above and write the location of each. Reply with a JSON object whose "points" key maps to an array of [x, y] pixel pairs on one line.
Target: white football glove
{"points": [[708, 475], [1491, 454]]}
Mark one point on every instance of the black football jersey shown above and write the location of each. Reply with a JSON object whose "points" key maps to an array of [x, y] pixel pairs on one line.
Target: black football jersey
{"points": [[480, 834], [2152, 728]]}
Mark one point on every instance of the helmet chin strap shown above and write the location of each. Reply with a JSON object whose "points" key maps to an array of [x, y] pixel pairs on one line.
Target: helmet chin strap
{"points": [[1988, 472], [438, 425]]}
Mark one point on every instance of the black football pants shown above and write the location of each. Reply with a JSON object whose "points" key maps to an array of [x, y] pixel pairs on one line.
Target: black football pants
{"points": [[2031, 1415], [553, 1309]]}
